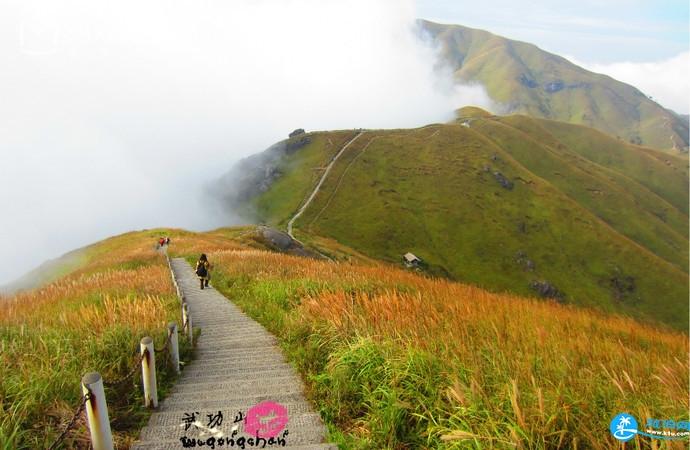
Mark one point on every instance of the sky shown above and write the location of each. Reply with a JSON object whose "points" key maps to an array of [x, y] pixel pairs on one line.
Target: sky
{"points": [[114, 116]]}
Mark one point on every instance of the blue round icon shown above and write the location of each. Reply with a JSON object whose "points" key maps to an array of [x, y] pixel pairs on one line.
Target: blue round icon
{"points": [[623, 427]]}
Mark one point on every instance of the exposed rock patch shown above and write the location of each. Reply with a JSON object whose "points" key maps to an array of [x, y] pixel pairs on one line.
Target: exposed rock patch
{"points": [[296, 132], [554, 86], [254, 175], [503, 181], [622, 286], [524, 262], [547, 290], [282, 242], [527, 82], [293, 144]]}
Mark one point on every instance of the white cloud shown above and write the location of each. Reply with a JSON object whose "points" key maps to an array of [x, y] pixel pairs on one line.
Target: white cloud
{"points": [[114, 114], [667, 81]]}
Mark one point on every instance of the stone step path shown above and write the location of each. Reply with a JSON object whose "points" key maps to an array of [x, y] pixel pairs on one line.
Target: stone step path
{"points": [[237, 365]]}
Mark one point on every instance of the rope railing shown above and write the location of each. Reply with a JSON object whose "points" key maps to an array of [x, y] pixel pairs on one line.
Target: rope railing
{"points": [[93, 399]]}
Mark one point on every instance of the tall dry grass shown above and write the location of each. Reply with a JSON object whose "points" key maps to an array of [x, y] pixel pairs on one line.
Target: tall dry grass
{"points": [[507, 371], [90, 320]]}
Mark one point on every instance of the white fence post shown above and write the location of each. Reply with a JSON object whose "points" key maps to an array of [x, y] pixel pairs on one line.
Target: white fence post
{"points": [[148, 372], [187, 318], [174, 347], [97, 412]]}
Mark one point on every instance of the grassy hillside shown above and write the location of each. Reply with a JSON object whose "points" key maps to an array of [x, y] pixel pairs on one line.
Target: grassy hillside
{"points": [[394, 360], [292, 165], [507, 202], [89, 320], [48, 271], [391, 359], [528, 80]]}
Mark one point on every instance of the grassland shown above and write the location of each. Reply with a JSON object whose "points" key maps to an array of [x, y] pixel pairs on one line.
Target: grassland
{"points": [[394, 360], [603, 221], [89, 320], [524, 79]]}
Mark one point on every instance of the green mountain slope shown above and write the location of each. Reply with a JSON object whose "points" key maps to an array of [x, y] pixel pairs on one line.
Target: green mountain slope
{"points": [[527, 80], [508, 203]]}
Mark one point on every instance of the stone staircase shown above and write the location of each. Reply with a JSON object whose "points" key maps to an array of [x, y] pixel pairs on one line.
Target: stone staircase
{"points": [[237, 365]]}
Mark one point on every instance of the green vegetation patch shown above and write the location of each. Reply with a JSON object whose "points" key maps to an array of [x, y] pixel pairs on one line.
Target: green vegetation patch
{"points": [[514, 204]]}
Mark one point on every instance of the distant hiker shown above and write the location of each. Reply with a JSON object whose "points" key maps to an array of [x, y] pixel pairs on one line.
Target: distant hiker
{"points": [[167, 241], [203, 270], [161, 242]]}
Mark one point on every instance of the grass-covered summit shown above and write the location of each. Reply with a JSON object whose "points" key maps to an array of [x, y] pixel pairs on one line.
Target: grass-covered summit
{"points": [[527, 80], [519, 204]]}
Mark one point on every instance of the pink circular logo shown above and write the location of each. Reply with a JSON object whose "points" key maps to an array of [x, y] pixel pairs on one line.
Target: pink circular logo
{"points": [[266, 419]]}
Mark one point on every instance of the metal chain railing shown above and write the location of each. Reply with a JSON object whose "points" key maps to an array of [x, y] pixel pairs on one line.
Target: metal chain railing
{"points": [[127, 376], [168, 355], [71, 423], [165, 347], [168, 348]]}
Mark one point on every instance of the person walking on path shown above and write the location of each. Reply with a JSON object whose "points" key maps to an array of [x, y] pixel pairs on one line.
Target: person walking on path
{"points": [[203, 270]]}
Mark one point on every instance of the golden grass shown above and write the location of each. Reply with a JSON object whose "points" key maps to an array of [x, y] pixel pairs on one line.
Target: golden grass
{"points": [[553, 371], [30, 308], [89, 320], [516, 372]]}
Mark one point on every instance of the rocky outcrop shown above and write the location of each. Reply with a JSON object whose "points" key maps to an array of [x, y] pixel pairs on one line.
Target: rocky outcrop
{"points": [[295, 143], [282, 242], [523, 261], [547, 290], [623, 287], [554, 86], [527, 82], [503, 181], [297, 132], [254, 175]]}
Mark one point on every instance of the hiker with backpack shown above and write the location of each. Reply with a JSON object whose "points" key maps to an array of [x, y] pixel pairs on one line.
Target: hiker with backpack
{"points": [[203, 270]]}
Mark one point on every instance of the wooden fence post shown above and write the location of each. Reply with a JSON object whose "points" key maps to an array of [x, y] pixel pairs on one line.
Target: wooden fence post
{"points": [[174, 347], [97, 412], [148, 372]]}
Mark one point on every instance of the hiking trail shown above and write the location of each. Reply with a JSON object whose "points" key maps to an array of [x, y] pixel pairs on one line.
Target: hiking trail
{"points": [[318, 185], [237, 364]]}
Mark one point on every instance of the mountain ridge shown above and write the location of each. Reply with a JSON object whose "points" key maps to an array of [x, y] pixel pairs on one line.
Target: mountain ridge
{"points": [[526, 79], [520, 206]]}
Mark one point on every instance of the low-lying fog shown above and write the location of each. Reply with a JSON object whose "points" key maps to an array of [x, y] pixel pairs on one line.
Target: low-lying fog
{"points": [[114, 115]]}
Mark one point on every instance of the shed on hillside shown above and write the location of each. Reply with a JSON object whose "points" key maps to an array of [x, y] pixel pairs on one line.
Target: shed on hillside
{"points": [[411, 260]]}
